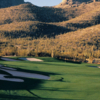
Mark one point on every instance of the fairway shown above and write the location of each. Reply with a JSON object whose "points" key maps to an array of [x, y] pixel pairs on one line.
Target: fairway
{"points": [[68, 81]]}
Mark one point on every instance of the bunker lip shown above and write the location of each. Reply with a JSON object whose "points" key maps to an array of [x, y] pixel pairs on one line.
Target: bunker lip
{"points": [[21, 74]]}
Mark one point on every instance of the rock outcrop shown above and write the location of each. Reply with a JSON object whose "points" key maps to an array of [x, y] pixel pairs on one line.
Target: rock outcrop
{"points": [[8, 3], [70, 3]]}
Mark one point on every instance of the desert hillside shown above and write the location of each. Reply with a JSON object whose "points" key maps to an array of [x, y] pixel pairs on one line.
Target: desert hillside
{"points": [[22, 19], [69, 30]]}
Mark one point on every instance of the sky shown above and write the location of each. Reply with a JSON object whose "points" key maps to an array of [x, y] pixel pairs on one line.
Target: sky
{"points": [[44, 2]]}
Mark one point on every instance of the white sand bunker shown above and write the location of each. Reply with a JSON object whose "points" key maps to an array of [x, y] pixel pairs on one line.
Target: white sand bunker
{"points": [[8, 59], [26, 59], [31, 59], [21, 74], [2, 77]]}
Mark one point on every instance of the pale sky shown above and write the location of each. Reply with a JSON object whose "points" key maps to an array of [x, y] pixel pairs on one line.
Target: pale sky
{"points": [[44, 2]]}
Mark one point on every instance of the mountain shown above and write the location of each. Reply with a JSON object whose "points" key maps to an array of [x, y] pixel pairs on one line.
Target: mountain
{"points": [[30, 20], [68, 28], [8, 3], [84, 20], [73, 3]]}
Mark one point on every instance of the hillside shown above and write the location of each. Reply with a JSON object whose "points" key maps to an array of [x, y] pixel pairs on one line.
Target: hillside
{"points": [[70, 31], [21, 20], [31, 28], [84, 20], [25, 12], [83, 43]]}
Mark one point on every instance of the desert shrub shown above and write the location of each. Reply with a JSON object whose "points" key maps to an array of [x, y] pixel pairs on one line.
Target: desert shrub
{"points": [[44, 54], [33, 53]]}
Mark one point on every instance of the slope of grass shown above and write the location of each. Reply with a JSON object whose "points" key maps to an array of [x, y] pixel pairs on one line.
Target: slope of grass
{"points": [[80, 82], [29, 20]]}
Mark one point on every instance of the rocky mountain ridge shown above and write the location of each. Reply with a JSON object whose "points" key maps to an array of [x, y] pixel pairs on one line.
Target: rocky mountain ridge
{"points": [[30, 20], [73, 3]]}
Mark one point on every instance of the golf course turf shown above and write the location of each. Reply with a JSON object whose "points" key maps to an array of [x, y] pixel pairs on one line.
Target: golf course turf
{"points": [[68, 81]]}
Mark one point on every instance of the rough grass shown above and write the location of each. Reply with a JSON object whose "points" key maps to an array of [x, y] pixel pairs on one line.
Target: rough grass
{"points": [[80, 82]]}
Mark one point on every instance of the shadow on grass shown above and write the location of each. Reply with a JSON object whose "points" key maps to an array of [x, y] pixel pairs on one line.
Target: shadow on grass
{"points": [[59, 64], [94, 66], [9, 97], [27, 84], [70, 61], [31, 71]]}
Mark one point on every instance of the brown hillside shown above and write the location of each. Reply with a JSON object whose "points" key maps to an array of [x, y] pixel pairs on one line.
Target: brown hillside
{"points": [[31, 28], [27, 12], [70, 31], [85, 20], [16, 13], [30, 20], [83, 42]]}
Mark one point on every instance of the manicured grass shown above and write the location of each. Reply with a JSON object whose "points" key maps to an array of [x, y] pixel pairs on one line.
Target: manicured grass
{"points": [[68, 81]]}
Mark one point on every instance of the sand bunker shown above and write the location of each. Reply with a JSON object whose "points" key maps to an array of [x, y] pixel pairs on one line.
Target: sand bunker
{"points": [[25, 74], [21, 74], [25, 59], [2, 77], [8, 59], [30, 59]]}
